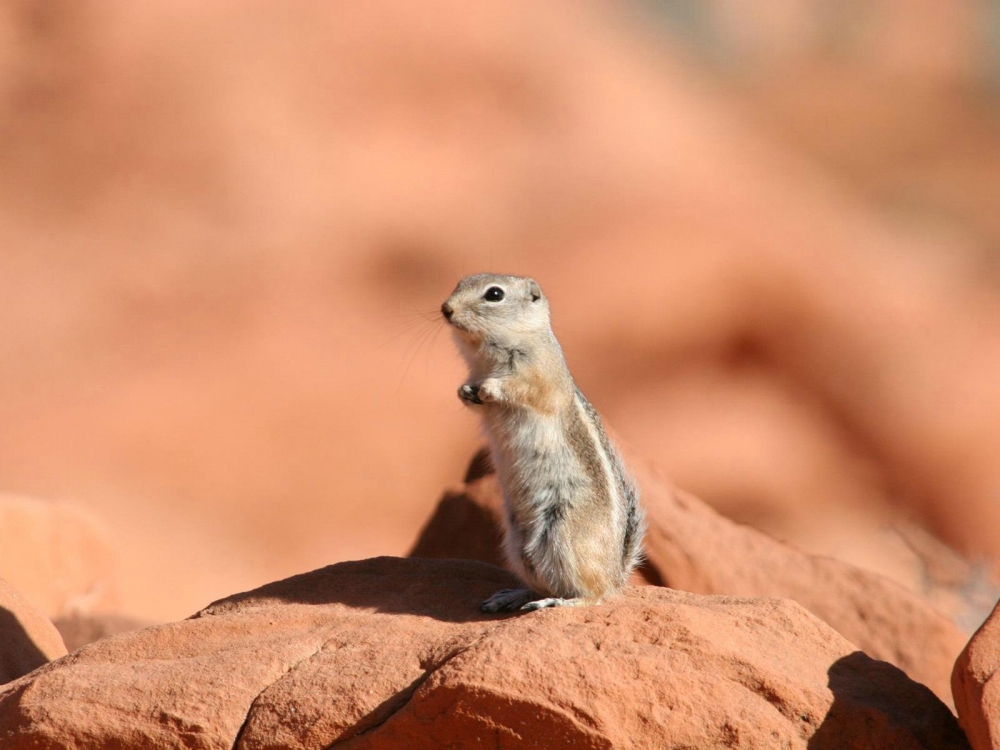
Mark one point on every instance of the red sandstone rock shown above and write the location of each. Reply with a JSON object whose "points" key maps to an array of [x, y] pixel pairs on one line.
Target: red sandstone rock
{"points": [[692, 548], [27, 638], [742, 437], [976, 691], [393, 653]]}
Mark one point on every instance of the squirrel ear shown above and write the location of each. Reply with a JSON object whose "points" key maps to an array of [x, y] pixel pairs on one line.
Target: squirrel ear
{"points": [[534, 290]]}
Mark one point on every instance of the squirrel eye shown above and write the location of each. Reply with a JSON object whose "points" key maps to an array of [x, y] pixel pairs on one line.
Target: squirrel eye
{"points": [[493, 294]]}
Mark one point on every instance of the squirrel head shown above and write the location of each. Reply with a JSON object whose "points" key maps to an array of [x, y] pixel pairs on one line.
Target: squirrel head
{"points": [[504, 311]]}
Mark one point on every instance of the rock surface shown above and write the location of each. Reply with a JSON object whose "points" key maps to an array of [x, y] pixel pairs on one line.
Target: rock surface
{"points": [[393, 653], [27, 638], [692, 548], [975, 687]]}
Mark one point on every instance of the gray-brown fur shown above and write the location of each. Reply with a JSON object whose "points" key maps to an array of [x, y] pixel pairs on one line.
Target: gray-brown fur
{"points": [[574, 525], [634, 517]]}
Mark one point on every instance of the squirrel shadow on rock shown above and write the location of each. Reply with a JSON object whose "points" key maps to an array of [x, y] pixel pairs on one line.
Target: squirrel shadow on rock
{"points": [[472, 530], [20, 653], [863, 685], [443, 589]]}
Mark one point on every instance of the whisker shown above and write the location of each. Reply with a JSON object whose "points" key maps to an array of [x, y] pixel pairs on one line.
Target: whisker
{"points": [[430, 349], [411, 327], [425, 313], [415, 350]]}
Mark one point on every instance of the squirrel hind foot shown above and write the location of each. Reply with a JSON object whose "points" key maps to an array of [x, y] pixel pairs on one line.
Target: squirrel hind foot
{"points": [[508, 600], [526, 600], [557, 602]]}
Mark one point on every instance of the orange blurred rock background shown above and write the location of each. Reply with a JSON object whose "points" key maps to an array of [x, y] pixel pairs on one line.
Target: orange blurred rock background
{"points": [[769, 233]]}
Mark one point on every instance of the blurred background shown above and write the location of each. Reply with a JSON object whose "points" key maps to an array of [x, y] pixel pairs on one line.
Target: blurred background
{"points": [[770, 233]]}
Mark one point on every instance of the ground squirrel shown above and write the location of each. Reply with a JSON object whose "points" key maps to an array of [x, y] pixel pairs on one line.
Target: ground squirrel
{"points": [[573, 522]]}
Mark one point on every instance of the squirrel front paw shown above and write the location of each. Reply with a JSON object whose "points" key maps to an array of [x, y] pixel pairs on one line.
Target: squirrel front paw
{"points": [[469, 394], [483, 393]]}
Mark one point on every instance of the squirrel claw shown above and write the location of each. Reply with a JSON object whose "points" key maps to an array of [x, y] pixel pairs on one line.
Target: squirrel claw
{"points": [[469, 394], [507, 600]]}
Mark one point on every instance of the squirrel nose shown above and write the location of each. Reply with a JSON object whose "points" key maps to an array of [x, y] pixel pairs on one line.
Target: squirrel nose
{"points": [[447, 311]]}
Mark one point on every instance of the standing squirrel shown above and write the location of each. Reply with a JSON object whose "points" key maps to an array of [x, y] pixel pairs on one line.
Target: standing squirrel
{"points": [[573, 523]]}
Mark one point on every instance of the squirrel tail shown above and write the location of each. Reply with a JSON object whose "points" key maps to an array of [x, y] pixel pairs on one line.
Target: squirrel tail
{"points": [[635, 530]]}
